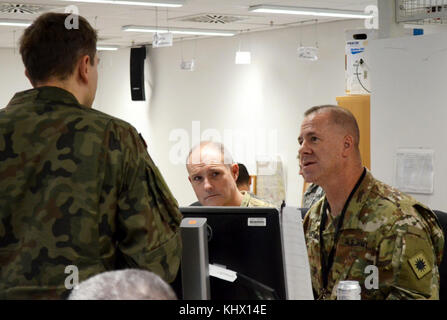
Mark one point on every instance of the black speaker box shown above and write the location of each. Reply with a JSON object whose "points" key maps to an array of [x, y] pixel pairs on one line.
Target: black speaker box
{"points": [[137, 57]]}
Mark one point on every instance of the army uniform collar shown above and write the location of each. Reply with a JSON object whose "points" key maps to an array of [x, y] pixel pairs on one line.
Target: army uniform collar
{"points": [[53, 94], [352, 219], [245, 198]]}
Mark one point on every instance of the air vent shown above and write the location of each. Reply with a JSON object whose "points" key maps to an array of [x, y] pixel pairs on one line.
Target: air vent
{"points": [[211, 18], [421, 11], [20, 8]]}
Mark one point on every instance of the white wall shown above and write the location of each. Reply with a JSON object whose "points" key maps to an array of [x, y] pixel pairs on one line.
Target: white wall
{"points": [[267, 97], [408, 106], [113, 93], [12, 75]]}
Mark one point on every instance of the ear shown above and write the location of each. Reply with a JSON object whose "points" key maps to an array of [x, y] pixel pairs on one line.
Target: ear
{"points": [[83, 68], [348, 145], [235, 171]]}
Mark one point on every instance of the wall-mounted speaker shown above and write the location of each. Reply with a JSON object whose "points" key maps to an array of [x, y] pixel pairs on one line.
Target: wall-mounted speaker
{"points": [[137, 57]]}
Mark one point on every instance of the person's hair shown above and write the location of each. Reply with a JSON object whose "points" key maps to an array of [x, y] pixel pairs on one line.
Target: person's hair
{"points": [[244, 177], [127, 284], [340, 117], [49, 49], [227, 159]]}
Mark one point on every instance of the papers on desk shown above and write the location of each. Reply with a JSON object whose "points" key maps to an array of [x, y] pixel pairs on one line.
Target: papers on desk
{"points": [[222, 273], [299, 283]]}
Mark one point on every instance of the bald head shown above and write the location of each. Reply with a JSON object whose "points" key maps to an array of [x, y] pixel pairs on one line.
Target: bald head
{"points": [[341, 118], [195, 155], [213, 175]]}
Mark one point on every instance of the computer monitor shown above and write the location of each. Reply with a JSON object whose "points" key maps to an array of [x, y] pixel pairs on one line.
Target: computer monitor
{"points": [[249, 242]]}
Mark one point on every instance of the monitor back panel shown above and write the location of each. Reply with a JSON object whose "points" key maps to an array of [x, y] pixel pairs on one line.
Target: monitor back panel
{"points": [[245, 240]]}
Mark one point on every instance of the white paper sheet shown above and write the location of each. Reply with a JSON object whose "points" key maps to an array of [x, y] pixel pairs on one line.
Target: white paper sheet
{"points": [[414, 171], [222, 273], [299, 283]]}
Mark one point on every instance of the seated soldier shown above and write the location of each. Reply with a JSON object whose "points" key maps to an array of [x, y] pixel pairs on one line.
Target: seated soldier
{"points": [[213, 176], [362, 224], [243, 181]]}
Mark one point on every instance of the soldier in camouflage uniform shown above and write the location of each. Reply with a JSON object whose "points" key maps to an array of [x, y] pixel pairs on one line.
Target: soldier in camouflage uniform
{"points": [[213, 176], [243, 181], [77, 186], [249, 200], [312, 195], [362, 222]]}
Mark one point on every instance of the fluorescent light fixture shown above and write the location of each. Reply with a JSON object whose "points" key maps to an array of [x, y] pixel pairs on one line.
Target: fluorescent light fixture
{"points": [[200, 32], [264, 8], [160, 3], [106, 48], [243, 57], [15, 23]]}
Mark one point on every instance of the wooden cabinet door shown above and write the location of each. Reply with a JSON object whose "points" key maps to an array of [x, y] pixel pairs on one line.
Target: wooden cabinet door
{"points": [[360, 107]]}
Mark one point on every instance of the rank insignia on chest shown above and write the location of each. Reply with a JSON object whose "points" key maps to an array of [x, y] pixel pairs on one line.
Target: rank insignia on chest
{"points": [[420, 265]]}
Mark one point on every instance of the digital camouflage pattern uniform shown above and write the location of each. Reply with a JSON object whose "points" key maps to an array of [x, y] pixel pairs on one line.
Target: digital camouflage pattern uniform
{"points": [[249, 200], [385, 228], [77, 187], [312, 195]]}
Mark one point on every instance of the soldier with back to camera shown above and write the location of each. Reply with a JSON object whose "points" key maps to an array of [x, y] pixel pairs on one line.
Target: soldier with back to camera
{"points": [[77, 186]]}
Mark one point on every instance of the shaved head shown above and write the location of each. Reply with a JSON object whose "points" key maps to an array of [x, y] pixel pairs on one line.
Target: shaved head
{"points": [[340, 117], [213, 175], [195, 157]]}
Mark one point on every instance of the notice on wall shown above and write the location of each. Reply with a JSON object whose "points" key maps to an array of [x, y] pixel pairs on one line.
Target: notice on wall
{"points": [[270, 183], [414, 170]]}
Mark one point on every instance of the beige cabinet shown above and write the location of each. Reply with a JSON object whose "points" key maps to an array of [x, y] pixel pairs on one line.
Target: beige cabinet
{"points": [[360, 107]]}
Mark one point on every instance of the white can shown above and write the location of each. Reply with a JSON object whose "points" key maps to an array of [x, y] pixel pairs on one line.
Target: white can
{"points": [[348, 290]]}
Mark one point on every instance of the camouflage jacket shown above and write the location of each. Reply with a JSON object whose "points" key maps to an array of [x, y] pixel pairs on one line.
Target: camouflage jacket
{"points": [[248, 200], [383, 228], [77, 187], [312, 195]]}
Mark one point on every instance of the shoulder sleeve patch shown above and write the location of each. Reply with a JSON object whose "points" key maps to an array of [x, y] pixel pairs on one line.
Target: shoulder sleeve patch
{"points": [[419, 264], [417, 271]]}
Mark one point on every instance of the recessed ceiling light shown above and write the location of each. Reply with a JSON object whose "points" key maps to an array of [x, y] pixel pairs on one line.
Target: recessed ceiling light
{"points": [[15, 23], [264, 8], [160, 3], [202, 32], [101, 47]]}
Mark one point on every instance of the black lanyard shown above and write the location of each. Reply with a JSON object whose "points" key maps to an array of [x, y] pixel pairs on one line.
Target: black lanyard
{"points": [[325, 268]]}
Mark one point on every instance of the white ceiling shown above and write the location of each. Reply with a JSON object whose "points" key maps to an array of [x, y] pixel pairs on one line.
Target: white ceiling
{"points": [[108, 19]]}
